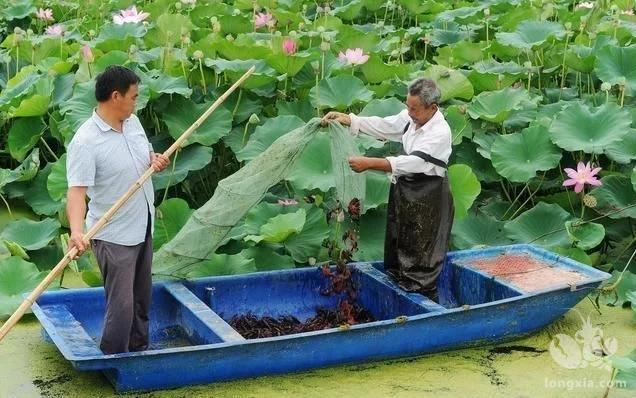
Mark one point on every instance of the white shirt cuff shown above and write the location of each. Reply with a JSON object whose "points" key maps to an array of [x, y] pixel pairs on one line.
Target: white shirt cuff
{"points": [[354, 127], [393, 175]]}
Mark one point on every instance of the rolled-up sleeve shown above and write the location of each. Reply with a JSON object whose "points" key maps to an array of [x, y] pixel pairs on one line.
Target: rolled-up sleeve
{"points": [[80, 165]]}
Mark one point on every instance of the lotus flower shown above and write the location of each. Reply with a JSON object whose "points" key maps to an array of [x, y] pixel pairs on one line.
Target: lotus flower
{"points": [[44, 15], [581, 176], [87, 53], [586, 4], [289, 47], [55, 31], [353, 57], [263, 19], [129, 15]]}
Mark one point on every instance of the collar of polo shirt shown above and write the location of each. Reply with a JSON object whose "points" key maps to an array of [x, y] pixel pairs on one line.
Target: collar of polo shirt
{"points": [[101, 123]]}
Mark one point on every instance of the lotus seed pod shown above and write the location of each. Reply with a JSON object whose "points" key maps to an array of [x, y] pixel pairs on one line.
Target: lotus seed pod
{"points": [[301, 26], [590, 201], [177, 6], [592, 35], [311, 261], [319, 10], [132, 49], [293, 34], [185, 40], [395, 53], [380, 23], [527, 64], [236, 12], [213, 20], [621, 81], [606, 86], [198, 54], [325, 46], [91, 33], [278, 33], [229, 37], [327, 9], [320, 29], [487, 12], [254, 119]]}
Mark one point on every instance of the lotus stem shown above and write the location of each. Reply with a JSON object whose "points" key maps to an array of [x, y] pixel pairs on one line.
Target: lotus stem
{"points": [[8, 207], [245, 133], [205, 88], [516, 199], [49, 149], [174, 165], [238, 102], [567, 40]]}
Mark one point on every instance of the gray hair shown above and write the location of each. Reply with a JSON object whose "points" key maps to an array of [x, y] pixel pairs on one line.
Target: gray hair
{"points": [[426, 90]]}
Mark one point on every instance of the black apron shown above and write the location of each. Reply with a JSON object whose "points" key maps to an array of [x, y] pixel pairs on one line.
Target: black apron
{"points": [[419, 220]]}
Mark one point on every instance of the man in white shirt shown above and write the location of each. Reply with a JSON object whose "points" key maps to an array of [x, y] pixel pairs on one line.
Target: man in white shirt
{"points": [[420, 210]]}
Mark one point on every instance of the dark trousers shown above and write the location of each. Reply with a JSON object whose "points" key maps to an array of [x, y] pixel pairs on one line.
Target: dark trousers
{"points": [[128, 288], [419, 219]]}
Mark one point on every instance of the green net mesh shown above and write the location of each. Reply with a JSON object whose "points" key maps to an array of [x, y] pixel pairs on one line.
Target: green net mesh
{"points": [[209, 226]]}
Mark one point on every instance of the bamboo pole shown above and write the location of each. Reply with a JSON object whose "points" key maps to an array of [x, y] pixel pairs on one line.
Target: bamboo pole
{"points": [[57, 270]]}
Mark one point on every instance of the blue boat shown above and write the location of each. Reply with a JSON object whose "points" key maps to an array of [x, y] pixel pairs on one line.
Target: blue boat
{"points": [[486, 296]]}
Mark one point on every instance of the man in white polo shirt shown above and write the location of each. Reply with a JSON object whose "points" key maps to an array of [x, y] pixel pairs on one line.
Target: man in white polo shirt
{"points": [[420, 210], [107, 154]]}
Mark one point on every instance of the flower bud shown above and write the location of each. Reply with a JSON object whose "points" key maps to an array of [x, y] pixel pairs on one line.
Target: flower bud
{"points": [[254, 119]]}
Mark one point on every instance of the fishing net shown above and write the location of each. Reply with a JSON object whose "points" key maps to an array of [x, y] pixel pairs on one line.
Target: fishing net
{"points": [[209, 226]]}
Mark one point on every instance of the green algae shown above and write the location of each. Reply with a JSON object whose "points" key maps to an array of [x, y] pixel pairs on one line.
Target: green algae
{"points": [[30, 367]]}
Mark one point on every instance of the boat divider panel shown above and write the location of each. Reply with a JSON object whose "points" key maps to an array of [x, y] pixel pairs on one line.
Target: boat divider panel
{"points": [[71, 331], [419, 299], [196, 315]]}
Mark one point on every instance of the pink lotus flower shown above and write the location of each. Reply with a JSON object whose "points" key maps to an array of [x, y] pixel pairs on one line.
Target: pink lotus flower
{"points": [[129, 15], [54, 31], [264, 19], [87, 53], [289, 47], [353, 57], [44, 15], [581, 176], [287, 202]]}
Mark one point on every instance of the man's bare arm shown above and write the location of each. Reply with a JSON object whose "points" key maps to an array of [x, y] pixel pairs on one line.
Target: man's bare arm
{"points": [[76, 211]]}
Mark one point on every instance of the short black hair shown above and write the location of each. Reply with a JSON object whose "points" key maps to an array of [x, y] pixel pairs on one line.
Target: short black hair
{"points": [[114, 78]]}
